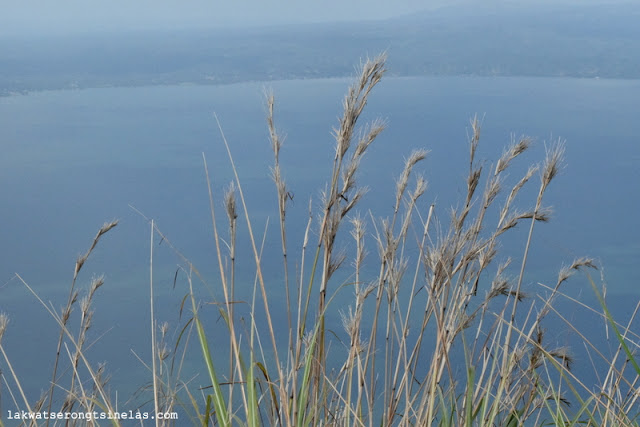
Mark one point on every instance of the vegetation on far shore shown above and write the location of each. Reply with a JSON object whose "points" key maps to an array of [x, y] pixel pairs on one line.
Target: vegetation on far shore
{"points": [[494, 39]]}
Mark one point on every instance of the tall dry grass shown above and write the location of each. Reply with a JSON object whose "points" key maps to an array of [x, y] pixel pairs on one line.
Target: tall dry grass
{"points": [[437, 327]]}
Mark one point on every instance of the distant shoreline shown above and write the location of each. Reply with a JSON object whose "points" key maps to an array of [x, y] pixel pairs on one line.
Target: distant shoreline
{"points": [[515, 41], [26, 92]]}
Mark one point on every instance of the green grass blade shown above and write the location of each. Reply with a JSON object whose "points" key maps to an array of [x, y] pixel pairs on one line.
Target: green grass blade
{"points": [[619, 336], [207, 410], [306, 380], [218, 400], [252, 395], [471, 374]]}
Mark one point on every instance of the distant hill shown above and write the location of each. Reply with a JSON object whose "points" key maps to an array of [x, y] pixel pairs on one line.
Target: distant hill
{"points": [[506, 38], [501, 38]]}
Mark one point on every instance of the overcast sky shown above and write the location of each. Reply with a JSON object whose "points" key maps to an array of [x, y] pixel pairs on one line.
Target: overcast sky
{"points": [[46, 16], [42, 17]]}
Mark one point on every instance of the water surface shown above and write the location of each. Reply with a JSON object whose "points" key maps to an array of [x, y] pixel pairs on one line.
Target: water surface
{"points": [[74, 159]]}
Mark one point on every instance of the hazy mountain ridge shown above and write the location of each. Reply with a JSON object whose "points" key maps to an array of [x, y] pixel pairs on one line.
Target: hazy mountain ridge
{"points": [[495, 39]]}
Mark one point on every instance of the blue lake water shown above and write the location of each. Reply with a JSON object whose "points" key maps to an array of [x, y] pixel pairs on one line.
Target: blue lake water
{"points": [[74, 159]]}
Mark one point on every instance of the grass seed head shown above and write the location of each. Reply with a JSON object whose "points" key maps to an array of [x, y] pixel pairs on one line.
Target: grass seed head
{"points": [[4, 322], [553, 162]]}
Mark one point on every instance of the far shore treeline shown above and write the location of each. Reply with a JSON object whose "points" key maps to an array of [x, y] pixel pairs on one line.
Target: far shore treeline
{"points": [[549, 40]]}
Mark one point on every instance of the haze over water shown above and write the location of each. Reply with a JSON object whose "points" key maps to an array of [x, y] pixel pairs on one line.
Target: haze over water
{"points": [[75, 159]]}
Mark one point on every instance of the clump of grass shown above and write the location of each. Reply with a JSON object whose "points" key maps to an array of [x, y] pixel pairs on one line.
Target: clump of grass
{"points": [[398, 367], [80, 394], [438, 328]]}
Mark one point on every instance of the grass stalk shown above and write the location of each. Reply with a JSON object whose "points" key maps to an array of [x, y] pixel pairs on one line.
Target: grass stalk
{"points": [[154, 371]]}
